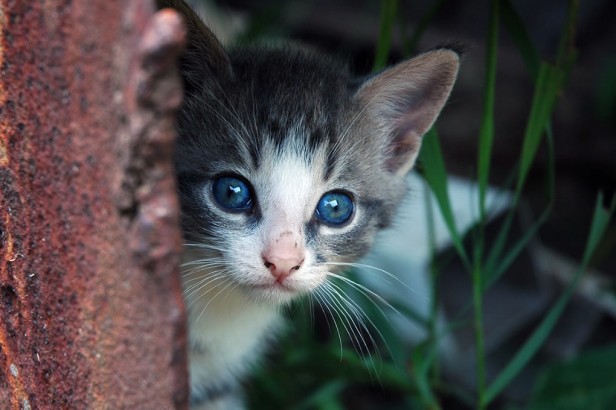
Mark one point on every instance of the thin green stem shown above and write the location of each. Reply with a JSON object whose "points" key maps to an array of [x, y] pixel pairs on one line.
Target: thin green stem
{"points": [[486, 134], [388, 15], [478, 325], [434, 299], [566, 49], [486, 137]]}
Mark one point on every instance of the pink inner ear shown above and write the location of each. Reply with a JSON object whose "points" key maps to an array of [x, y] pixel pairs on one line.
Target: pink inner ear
{"points": [[415, 116], [403, 149]]}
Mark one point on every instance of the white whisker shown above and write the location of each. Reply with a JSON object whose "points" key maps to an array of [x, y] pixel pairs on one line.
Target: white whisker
{"points": [[366, 292], [370, 267], [206, 280], [230, 282], [203, 246], [360, 315], [322, 301], [207, 262], [356, 334]]}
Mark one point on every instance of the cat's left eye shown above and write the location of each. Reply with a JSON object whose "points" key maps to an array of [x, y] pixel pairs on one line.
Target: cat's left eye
{"points": [[232, 193], [335, 208]]}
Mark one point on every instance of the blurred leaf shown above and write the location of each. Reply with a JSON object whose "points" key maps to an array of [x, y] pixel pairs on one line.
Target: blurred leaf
{"points": [[606, 90], [326, 397], [600, 221], [389, 10], [584, 383], [520, 36], [422, 359], [486, 133], [567, 53]]}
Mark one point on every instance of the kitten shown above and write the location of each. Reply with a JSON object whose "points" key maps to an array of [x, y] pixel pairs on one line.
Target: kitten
{"points": [[287, 168]]}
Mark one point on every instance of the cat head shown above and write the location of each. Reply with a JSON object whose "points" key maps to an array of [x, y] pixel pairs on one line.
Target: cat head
{"points": [[287, 165]]}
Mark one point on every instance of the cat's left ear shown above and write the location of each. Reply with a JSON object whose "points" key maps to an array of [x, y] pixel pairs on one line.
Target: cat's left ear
{"points": [[403, 102]]}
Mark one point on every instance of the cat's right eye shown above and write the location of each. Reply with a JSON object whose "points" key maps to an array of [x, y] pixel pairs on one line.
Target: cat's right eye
{"points": [[232, 193]]}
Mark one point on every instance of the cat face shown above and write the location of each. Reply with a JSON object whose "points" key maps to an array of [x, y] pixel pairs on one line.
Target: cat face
{"points": [[277, 182], [278, 228], [287, 166], [278, 225]]}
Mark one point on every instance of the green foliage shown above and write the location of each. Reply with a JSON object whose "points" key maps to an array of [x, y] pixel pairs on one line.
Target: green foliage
{"points": [[549, 82], [584, 383], [313, 374], [606, 90], [599, 223]]}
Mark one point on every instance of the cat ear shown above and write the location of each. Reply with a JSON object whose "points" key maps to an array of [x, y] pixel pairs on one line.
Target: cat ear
{"points": [[203, 56], [403, 102]]}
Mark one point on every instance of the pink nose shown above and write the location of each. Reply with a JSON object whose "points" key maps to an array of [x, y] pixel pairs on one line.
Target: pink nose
{"points": [[283, 254], [281, 267]]}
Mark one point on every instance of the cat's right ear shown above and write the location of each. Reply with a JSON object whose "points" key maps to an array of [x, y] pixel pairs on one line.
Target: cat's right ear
{"points": [[204, 56], [402, 102]]}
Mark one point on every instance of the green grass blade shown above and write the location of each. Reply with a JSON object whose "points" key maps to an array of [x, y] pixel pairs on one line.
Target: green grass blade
{"points": [[520, 36], [486, 133], [435, 174], [494, 272], [493, 275], [486, 138], [549, 82], [508, 185], [498, 245], [422, 359], [435, 304], [600, 221], [389, 10], [567, 53], [478, 286], [548, 86]]}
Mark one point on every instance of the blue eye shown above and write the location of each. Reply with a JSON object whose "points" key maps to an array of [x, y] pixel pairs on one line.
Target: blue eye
{"points": [[335, 208], [232, 193]]}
